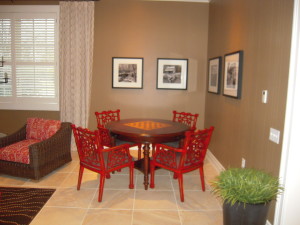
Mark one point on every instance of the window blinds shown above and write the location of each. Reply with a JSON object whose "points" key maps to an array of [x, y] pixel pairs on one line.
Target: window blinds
{"points": [[28, 43]]}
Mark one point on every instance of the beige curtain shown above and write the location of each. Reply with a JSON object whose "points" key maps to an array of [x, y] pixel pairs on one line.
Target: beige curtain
{"points": [[76, 60]]}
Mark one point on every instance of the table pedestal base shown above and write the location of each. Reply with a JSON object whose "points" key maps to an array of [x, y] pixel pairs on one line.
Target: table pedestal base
{"points": [[143, 165]]}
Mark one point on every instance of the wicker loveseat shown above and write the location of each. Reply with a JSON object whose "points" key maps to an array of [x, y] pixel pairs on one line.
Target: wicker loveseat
{"points": [[43, 156]]}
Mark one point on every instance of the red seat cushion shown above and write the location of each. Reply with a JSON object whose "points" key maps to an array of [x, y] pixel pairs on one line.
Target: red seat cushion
{"points": [[17, 152], [41, 129]]}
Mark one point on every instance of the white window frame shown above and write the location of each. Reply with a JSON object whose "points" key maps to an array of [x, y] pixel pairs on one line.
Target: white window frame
{"points": [[21, 103]]}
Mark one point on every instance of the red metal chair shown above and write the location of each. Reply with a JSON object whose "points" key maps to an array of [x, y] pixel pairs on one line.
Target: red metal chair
{"points": [[183, 160], [107, 116], [101, 160]]}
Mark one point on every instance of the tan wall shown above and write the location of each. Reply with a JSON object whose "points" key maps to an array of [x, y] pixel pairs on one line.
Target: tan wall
{"points": [[12, 120], [150, 30], [262, 29]]}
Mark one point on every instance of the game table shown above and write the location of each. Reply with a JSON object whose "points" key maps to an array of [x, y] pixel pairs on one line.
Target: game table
{"points": [[146, 131]]}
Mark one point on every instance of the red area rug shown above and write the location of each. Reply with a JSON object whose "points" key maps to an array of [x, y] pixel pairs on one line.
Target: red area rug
{"points": [[19, 206]]}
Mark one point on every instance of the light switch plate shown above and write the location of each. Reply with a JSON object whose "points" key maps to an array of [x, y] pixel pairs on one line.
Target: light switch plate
{"points": [[274, 135], [264, 96]]}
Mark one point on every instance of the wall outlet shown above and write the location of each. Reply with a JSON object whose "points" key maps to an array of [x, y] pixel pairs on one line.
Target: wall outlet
{"points": [[274, 135], [243, 164]]}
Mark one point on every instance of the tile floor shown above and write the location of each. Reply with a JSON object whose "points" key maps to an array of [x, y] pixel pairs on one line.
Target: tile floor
{"points": [[121, 205]]}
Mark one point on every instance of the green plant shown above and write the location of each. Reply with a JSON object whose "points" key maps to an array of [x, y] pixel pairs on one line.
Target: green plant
{"points": [[246, 185]]}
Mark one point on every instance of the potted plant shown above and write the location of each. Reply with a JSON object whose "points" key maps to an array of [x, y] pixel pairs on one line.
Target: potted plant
{"points": [[247, 194]]}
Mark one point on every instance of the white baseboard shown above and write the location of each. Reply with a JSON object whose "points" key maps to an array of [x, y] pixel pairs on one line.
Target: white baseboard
{"points": [[214, 161]]}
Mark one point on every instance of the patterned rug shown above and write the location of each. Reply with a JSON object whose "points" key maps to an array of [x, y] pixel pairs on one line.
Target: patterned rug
{"points": [[18, 206]]}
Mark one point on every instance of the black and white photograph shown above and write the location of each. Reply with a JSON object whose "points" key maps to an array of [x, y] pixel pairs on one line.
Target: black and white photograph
{"points": [[172, 73], [233, 74], [214, 75], [127, 72]]}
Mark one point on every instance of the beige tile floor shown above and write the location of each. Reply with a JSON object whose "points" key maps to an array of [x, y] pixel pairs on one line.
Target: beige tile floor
{"points": [[121, 205]]}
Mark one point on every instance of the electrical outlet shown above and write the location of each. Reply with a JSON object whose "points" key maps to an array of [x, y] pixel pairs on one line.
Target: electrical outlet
{"points": [[274, 135], [243, 165]]}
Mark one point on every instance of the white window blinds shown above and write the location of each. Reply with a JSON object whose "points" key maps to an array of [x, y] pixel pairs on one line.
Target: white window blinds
{"points": [[29, 47]]}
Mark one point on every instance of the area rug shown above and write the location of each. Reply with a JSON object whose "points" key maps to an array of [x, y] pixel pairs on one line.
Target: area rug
{"points": [[19, 206]]}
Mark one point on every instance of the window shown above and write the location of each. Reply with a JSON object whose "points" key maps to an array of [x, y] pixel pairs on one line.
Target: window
{"points": [[29, 46]]}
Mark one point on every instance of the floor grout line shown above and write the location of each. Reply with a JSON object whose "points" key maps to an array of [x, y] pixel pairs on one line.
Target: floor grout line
{"points": [[138, 188]]}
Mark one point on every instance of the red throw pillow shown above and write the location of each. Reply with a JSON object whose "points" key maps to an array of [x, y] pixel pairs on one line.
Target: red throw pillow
{"points": [[41, 129]]}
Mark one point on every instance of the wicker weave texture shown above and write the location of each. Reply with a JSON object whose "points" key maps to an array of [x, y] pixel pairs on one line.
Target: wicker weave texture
{"points": [[45, 156]]}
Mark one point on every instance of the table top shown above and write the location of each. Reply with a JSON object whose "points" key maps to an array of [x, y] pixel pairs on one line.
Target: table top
{"points": [[143, 130]]}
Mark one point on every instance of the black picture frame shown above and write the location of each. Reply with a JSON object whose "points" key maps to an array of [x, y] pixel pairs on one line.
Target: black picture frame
{"points": [[127, 72], [233, 68], [172, 74], [214, 75]]}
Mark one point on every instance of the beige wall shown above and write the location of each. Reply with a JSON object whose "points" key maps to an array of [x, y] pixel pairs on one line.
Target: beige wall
{"points": [[12, 120], [149, 30], [262, 29]]}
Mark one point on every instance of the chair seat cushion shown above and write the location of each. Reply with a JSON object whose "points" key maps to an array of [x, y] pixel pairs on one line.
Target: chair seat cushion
{"points": [[17, 152], [174, 144], [120, 142]]}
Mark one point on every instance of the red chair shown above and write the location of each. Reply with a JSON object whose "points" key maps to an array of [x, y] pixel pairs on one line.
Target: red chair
{"points": [[186, 118], [181, 117], [183, 160], [101, 160], [107, 116]]}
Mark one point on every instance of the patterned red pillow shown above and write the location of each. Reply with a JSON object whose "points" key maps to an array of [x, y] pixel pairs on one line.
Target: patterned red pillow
{"points": [[50, 127], [41, 129]]}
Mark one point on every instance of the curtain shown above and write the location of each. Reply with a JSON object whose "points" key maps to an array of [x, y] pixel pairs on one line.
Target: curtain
{"points": [[76, 60]]}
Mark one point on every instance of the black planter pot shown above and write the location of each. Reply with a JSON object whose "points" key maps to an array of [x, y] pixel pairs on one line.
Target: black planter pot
{"points": [[240, 214]]}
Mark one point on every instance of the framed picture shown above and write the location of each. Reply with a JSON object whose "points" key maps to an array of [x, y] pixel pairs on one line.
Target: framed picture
{"points": [[127, 72], [214, 74], [172, 74], [233, 74]]}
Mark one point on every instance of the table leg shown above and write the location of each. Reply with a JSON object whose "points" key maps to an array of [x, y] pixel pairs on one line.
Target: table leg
{"points": [[146, 164]]}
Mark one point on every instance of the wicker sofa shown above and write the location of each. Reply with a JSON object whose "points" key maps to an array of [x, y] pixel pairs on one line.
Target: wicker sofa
{"points": [[44, 156]]}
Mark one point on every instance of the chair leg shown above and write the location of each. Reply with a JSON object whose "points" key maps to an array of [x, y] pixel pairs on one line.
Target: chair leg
{"points": [[175, 176], [153, 149], [202, 177], [152, 173], [180, 182], [139, 151], [80, 177], [131, 181], [101, 187]]}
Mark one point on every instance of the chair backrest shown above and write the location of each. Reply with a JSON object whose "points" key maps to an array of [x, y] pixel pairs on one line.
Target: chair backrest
{"points": [[105, 137], [88, 147], [107, 116], [195, 144], [186, 118]]}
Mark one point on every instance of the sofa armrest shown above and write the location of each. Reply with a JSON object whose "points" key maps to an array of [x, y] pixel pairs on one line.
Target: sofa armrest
{"points": [[52, 148], [13, 138]]}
